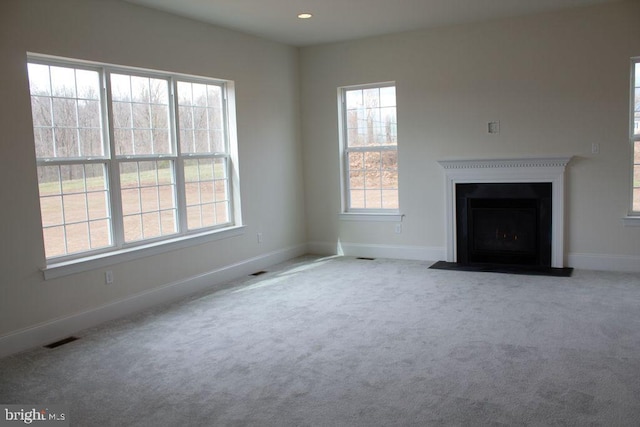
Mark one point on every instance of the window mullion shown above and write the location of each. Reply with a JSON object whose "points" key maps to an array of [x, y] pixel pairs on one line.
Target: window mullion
{"points": [[181, 199], [113, 167]]}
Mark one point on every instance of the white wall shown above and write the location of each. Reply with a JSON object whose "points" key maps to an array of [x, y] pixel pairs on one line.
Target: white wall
{"points": [[267, 97], [556, 82]]}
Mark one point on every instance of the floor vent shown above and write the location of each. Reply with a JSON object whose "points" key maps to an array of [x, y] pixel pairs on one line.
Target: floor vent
{"points": [[61, 342], [365, 258], [258, 273]]}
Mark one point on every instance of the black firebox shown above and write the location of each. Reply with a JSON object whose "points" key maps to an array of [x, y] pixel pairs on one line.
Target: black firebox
{"points": [[504, 223]]}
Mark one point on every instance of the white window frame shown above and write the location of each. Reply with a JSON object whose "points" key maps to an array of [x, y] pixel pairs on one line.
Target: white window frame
{"points": [[347, 212], [633, 218], [120, 250]]}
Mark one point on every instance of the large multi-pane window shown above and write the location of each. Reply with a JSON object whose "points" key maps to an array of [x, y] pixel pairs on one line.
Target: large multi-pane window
{"points": [[635, 132], [369, 143], [127, 156]]}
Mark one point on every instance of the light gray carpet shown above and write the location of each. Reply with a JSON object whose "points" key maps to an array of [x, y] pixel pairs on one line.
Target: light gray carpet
{"points": [[347, 342]]}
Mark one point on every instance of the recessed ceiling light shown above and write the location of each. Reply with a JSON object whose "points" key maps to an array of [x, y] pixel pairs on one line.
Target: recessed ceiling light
{"points": [[304, 15]]}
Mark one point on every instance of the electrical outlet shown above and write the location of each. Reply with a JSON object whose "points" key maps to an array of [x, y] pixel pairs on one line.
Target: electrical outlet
{"points": [[259, 237], [595, 148], [108, 277], [398, 228]]}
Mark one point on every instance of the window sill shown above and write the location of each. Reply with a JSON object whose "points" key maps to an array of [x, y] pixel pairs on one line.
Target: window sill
{"points": [[384, 217], [631, 221], [93, 262]]}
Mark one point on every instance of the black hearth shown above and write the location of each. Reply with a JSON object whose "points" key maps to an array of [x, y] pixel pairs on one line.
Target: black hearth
{"points": [[504, 224]]}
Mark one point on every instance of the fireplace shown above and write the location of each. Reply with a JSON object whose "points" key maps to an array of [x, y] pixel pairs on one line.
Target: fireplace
{"points": [[504, 223], [511, 198]]}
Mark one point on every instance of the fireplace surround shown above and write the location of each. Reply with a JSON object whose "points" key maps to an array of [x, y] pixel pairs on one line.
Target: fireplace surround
{"points": [[549, 170]]}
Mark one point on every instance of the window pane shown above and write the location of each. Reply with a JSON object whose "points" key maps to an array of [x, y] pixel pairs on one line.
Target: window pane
{"points": [[141, 115], [70, 197], [208, 215], [131, 201], [77, 237], [99, 233], [54, 241], [132, 228], [390, 199], [354, 99], [66, 111], [201, 118], [357, 199], [63, 82], [51, 210], [148, 192], [168, 222], [41, 111], [75, 208], [120, 88], [356, 180], [370, 117], [636, 115], [223, 212], [88, 84], [66, 142], [373, 199], [90, 142], [376, 172], [207, 192], [43, 139], [388, 96], [39, 79], [373, 179]]}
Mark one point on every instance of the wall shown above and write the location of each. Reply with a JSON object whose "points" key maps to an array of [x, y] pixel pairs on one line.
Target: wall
{"points": [[267, 98], [556, 82]]}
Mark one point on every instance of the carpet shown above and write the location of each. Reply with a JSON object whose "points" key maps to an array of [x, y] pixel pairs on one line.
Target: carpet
{"points": [[345, 342]]}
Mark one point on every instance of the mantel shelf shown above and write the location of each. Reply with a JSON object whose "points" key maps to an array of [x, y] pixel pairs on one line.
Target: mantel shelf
{"points": [[535, 162]]}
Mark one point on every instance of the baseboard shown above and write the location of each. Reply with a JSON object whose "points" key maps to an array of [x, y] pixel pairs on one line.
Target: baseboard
{"points": [[54, 330], [423, 253], [604, 262]]}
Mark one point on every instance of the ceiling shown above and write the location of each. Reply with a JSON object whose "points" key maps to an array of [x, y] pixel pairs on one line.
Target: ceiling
{"points": [[339, 20]]}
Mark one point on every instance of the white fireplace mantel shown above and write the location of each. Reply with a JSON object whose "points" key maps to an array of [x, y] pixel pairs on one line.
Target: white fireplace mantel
{"points": [[542, 169]]}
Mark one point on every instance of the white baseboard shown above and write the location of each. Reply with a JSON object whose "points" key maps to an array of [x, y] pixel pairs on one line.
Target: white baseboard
{"points": [[604, 262], [422, 253], [51, 331]]}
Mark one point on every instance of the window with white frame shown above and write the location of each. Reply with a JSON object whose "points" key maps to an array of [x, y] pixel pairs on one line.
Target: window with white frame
{"points": [[369, 145], [634, 132], [127, 157]]}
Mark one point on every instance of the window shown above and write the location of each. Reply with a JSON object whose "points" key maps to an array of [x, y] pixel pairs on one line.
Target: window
{"points": [[127, 157], [369, 146], [634, 132]]}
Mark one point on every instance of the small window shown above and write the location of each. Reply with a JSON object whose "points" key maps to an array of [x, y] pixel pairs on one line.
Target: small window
{"points": [[127, 156], [634, 131], [369, 146]]}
